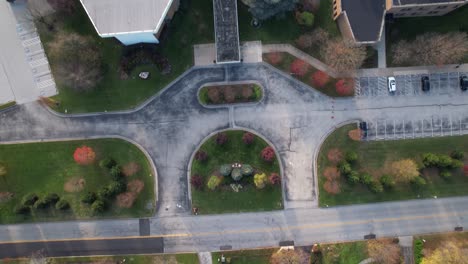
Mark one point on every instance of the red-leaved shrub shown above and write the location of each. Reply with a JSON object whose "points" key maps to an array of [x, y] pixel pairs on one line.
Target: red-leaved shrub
{"points": [[201, 155], [248, 138], [274, 178], [221, 138], [84, 155], [268, 154], [274, 57], [299, 67], [345, 87], [465, 170], [319, 79], [196, 181]]}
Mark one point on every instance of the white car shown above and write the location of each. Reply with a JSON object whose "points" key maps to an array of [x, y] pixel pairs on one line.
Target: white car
{"points": [[391, 84]]}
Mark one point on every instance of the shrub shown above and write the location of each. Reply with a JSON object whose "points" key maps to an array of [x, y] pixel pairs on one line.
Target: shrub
{"points": [[456, 164], [196, 181], [41, 204], [445, 174], [305, 18], [236, 174], [84, 155], [30, 199], [248, 138], [116, 173], [376, 187], [353, 177], [344, 87], [117, 187], [387, 181], [418, 182], [274, 57], [62, 205], [457, 154], [260, 180], [268, 154], [366, 179], [104, 193], [201, 156], [331, 173], [351, 157], [225, 170], [299, 67], [319, 79], [22, 209], [88, 198], [214, 95], [213, 182], [221, 138], [247, 170], [274, 179], [344, 167], [444, 161], [418, 250], [98, 206], [51, 198], [107, 163], [430, 159]]}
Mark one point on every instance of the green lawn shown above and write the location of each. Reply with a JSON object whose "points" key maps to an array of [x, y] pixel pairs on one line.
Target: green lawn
{"points": [[192, 24], [259, 256], [224, 199], [374, 156], [131, 259], [343, 253], [9, 104], [44, 168], [409, 28], [289, 29]]}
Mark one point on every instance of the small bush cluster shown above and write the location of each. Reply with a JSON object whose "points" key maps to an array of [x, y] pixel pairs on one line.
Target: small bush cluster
{"points": [[197, 181], [441, 161], [268, 154], [33, 201], [248, 138], [221, 138], [201, 156], [260, 180], [213, 182]]}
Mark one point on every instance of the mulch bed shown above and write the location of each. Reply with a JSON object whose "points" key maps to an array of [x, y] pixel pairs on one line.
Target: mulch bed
{"points": [[229, 94]]}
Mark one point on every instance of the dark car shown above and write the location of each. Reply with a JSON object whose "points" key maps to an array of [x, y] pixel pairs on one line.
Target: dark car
{"points": [[464, 82], [425, 84]]}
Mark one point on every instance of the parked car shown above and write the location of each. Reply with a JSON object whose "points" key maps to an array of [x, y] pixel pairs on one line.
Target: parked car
{"points": [[425, 84], [391, 84], [464, 82]]}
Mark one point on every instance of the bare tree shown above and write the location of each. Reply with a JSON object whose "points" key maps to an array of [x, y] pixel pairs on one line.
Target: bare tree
{"points": [[39, 15], [290, 256], [76, 61], [432, 49], [64, 6], [38, 257], [384, 251], [343, 55]]}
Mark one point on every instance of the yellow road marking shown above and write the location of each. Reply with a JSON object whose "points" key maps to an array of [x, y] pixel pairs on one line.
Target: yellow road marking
{"points": [[257, 230]]}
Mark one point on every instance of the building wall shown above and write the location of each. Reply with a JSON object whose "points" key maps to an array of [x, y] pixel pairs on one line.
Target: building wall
{"points": [[424, 10], [133, 38], [170, 14]]}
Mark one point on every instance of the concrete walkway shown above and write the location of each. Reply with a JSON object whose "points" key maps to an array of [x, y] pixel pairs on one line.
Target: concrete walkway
{"points": [[205, 54], [382, 51], [406, 244], [205, 258]]}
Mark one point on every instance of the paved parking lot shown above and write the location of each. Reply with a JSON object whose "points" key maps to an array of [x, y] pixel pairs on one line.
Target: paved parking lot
{"points": [[410, 84], [435, 126]]}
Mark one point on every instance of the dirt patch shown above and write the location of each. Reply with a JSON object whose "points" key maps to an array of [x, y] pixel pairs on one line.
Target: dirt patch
{"points": [[213, 94], [331, 173], [355, 134], [229, 93], [332, 187], [6, 196], [126, 199], [135, 186], [247, 92], [75, 184], [335, 155], [130, 169]]}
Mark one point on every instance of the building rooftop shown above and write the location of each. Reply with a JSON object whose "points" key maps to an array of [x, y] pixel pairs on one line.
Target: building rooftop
{"points": [[365, 17], [111, 17], [226, 31], [423, 2]]}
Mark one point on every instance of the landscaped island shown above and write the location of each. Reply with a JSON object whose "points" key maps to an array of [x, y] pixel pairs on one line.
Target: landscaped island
{"points": [[351, 171], [306, 73], [74, 180], [235, 171], [230, 93]]}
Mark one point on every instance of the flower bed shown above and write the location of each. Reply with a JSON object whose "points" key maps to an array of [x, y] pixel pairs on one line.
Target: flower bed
{"points": [[230, 94], [306, 73], [235, 171]]}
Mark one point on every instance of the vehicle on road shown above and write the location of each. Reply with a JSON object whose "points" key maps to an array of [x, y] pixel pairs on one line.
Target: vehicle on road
{"points": [[391, 84], [464, 82], [425, 84]]}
